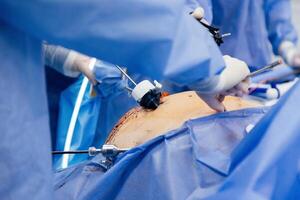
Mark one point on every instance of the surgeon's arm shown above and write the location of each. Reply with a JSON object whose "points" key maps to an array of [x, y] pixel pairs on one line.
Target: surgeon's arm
{"points": [[68, 62], [282, 33]]}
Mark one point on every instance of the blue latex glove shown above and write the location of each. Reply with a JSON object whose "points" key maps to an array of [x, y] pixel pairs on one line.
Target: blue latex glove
{"points": [[110, 80]]}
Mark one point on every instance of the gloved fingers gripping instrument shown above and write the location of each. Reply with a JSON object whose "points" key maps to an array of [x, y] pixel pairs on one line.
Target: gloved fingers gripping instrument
{"points": [[213, 90], [105, 77], [289, 52]]}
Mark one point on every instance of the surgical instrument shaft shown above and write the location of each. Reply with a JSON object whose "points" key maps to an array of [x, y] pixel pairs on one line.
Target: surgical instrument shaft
{"points": [[107, 150], [266, 68], [123, 72]]}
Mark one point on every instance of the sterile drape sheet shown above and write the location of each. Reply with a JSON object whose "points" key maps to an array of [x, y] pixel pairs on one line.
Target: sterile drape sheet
{"points": [[190, 161]]}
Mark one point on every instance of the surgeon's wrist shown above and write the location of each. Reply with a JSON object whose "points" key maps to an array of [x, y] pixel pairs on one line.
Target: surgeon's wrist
{"points": [[87, 67], [83, 62]]}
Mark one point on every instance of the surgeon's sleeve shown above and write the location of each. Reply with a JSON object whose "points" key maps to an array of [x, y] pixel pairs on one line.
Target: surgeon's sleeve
{"points": [[279, 23], [62, 59], [155, 38]]}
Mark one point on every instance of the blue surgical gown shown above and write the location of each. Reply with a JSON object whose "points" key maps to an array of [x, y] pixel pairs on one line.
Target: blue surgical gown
{"points": [[155, 37], [257, 28]]}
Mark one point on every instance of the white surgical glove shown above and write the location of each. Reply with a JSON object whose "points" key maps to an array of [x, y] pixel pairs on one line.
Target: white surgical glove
{"points": [[232, 81], [290, 54]]}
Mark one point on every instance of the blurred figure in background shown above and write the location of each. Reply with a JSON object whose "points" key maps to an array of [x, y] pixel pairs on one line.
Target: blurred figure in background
{"points": [[254, 25]]}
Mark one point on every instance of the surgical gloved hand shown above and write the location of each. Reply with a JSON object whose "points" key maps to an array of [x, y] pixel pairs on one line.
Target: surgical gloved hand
{"points": [[198, 13], [83, 64], [290, 54], [71, 63], [68, 62], [109, 79], [106, 78], [232, 81]]}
